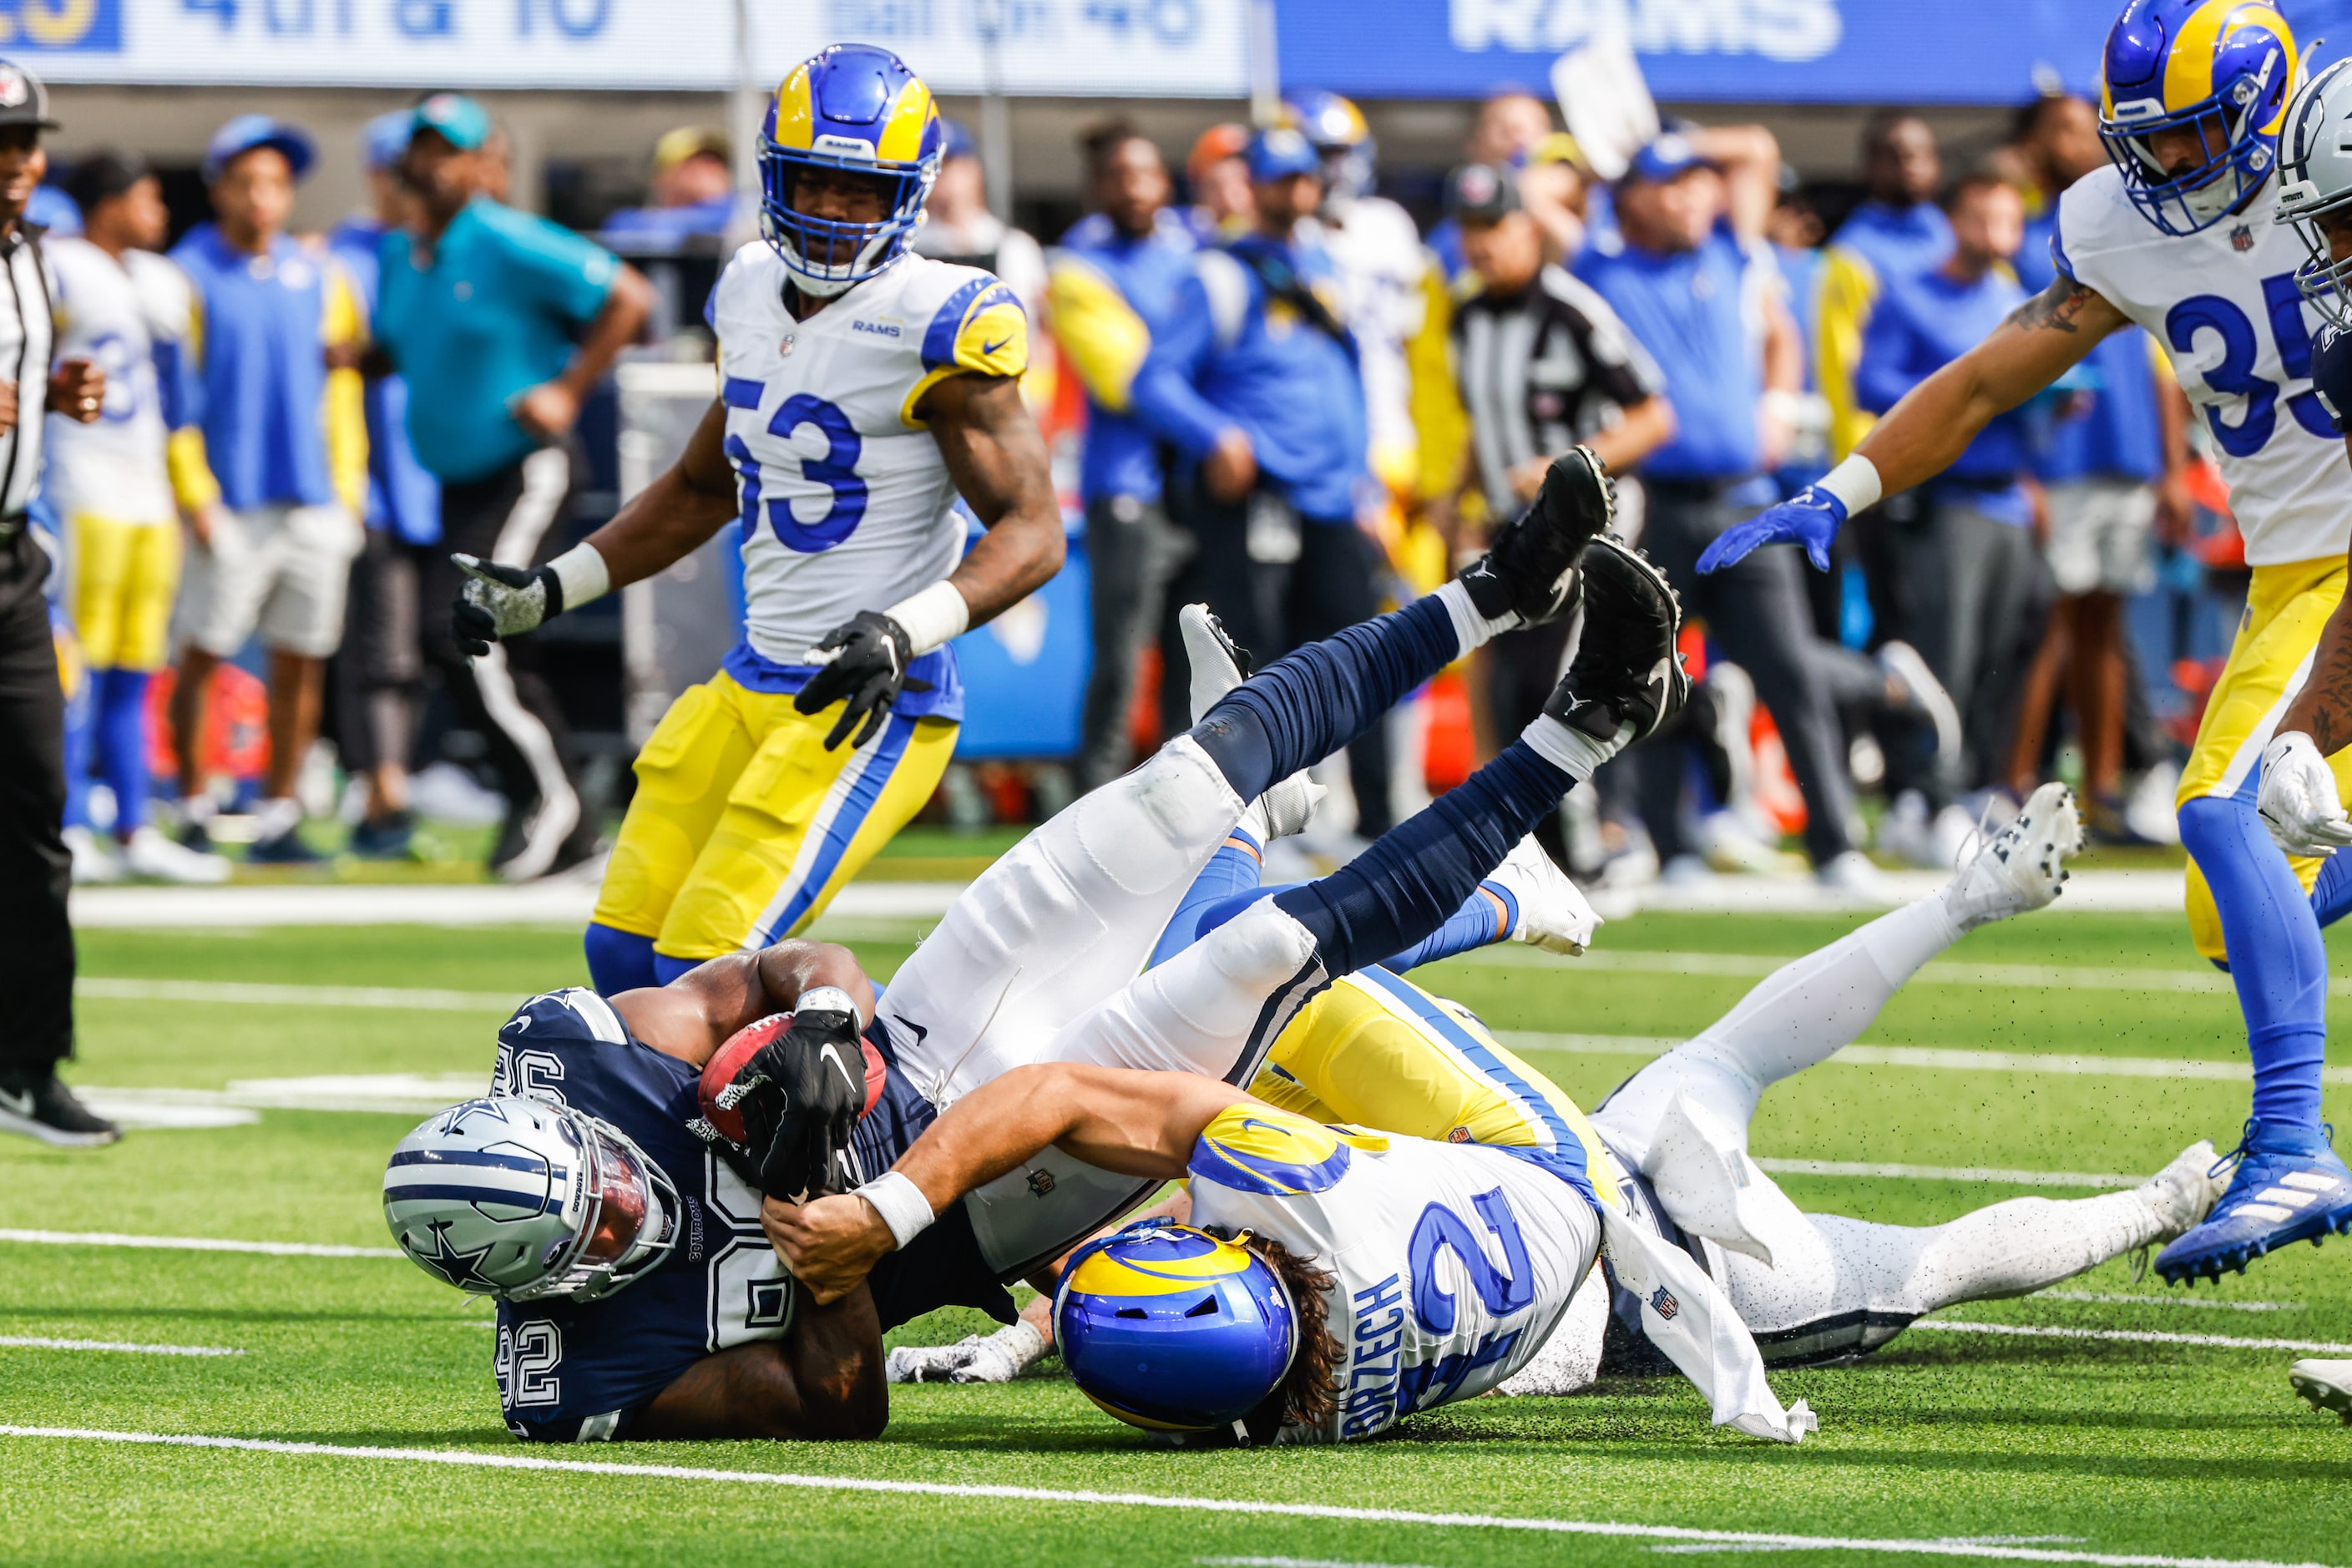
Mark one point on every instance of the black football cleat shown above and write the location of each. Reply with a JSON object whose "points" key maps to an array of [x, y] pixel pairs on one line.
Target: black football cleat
{"points": [[37, 1105], [1626, 670], [1530, 568]]}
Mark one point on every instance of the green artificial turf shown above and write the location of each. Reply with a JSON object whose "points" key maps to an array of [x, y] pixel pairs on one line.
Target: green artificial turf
{"points": [[2065, 1445]]}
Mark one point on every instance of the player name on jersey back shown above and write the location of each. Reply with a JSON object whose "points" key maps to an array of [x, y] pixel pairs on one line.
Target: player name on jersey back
{"points": [[2222, 303], [846, 502], [1453, 1263]]}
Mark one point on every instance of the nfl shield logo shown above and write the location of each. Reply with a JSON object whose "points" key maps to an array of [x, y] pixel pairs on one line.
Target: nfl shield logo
{"points": [[14, 89], [784, 349], [1663, 1303], [2243, 237]]}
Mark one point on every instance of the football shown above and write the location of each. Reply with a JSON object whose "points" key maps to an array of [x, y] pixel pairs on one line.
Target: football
{"points": [[727, 1061], [741, 1047]]}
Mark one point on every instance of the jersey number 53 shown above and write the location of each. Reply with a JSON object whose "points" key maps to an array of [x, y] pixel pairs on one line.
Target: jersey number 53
{"points": [[836, 470]]}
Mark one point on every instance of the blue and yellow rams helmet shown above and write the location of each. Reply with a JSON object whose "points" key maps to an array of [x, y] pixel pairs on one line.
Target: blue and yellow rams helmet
{"points": [[1340, 136], [1174, 1330], [2221, 69], [857, 109]]}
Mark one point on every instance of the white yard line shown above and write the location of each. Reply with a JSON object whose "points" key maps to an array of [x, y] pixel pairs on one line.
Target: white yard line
{"points": [[2177, 1298], [1245, 1507], [1753, 965], [113, 988], [1942, 1058], [1947, 1174], [33, 1342], [2136, 1336], [194, 1244]]}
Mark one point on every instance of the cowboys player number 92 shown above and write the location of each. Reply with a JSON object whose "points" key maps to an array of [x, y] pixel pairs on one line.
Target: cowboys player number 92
{"points": [[862, 389]]}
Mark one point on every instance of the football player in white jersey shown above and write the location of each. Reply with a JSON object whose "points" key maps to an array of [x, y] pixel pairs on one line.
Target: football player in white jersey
{"points": [[129, 311], [2180, 235], [862, 389], [2301, 802]]}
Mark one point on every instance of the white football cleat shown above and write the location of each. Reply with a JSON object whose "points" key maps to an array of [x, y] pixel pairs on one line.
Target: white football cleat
{"points": [[2327, 1383], [1216, 660], [2024, 866], [1553, 913], [92, 861], [151, 854], [2185, 1192]]}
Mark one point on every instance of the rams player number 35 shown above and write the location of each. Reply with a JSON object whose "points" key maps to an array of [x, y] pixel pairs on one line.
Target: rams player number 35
{"points": [[862, 388]]}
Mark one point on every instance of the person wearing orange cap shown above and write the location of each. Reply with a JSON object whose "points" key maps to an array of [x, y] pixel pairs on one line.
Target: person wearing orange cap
{"points": [[1217, 173]]}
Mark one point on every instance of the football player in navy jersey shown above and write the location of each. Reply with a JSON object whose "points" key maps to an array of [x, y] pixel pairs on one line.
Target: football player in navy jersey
{"points": [[625, 1247]]}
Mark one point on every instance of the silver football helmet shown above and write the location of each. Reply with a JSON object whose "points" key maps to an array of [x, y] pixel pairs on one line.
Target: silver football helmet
{"points": [[523, 1200], [2316, 181]]}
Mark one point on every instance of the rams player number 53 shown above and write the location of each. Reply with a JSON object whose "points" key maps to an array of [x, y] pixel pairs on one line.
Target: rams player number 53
{"points": [[861, 388]]}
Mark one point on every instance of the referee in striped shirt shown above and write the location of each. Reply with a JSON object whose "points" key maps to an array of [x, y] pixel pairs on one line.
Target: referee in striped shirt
{"points": [[1541, 363], [37, 946]]}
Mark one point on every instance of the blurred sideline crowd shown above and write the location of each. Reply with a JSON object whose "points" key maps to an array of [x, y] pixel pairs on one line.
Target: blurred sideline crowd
{"points": [[1300, 405], [1274, 392]]}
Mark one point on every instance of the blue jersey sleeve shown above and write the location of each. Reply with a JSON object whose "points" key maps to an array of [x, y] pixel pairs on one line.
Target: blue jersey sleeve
{"points": [[2331, 373]]}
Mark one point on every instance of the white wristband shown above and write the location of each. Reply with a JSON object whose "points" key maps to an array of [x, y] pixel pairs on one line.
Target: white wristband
{"points": [[934, 617], [1855, 482], [583, 574], [900, 1203], [826, 999]]}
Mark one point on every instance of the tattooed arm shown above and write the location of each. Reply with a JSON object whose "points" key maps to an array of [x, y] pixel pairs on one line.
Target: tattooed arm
{"points": [[2323, 709], [2042, 338]]}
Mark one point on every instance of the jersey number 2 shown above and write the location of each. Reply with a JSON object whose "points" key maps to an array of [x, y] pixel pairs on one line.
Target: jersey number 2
{"points": [[2234, 375], [1504, 1290], [836, 470]]}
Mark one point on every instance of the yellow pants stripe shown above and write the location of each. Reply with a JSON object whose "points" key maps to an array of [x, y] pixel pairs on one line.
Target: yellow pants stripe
{"points": [[744, 826], [2287, 606]]}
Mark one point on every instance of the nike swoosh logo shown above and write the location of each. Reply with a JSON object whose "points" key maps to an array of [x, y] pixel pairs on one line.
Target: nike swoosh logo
{"points": [[833, 1056], [21, 1103], [988, 349]]}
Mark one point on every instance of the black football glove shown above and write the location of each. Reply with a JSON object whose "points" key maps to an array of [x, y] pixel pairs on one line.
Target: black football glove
{"points": [[496, 602], [800, 1096], [869, 670]]}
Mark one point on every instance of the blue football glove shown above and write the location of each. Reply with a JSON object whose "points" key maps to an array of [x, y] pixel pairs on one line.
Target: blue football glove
{"points": [[1811, 519]]}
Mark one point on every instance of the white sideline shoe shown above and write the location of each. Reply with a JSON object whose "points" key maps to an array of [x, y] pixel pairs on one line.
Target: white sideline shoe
{"points": [[2024, 866], [1853, 876], [2327, 1383], [92, 861], [151, 854], [2185, 1190], [1553, 914]]}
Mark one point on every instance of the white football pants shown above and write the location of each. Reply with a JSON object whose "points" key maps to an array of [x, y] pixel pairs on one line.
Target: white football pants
{"points": [[1838, 1286]]}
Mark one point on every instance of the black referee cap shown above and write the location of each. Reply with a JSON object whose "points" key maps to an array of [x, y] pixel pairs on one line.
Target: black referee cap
{"points": [[1481, 193], [23, 99]]}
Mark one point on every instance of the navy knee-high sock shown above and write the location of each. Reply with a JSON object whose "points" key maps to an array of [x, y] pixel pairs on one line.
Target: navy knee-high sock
{"points": [[1310, 702], [2275, 955], [1415, 876]]}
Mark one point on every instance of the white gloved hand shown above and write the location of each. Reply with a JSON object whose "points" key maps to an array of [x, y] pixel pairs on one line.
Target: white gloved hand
{"points": [[929, 1364], [496, 602], [2298, 798]]}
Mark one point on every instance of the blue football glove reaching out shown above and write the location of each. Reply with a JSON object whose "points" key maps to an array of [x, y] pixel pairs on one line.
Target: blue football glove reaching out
{"points": [[1811, 519]]}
